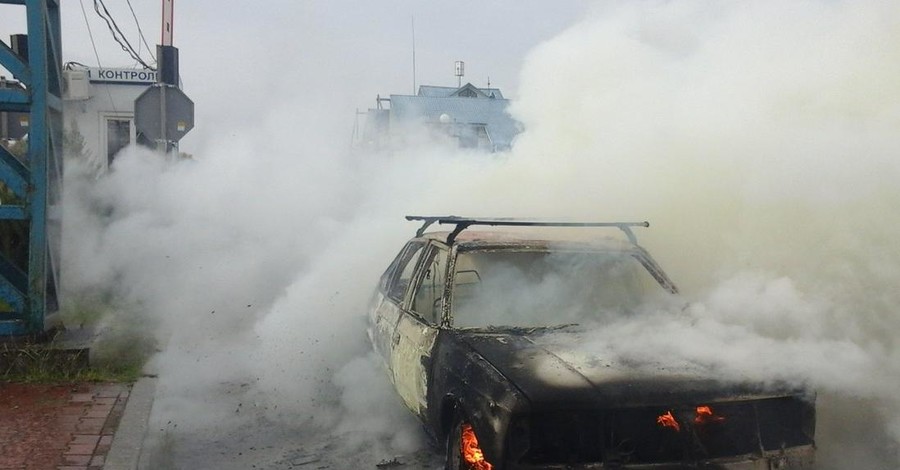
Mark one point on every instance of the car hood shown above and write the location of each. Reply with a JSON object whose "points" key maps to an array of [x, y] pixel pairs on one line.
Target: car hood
{"points": [[552, 371]]}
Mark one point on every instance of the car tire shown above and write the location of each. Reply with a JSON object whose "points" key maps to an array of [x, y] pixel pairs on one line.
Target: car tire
{"points": [[454, 459]]}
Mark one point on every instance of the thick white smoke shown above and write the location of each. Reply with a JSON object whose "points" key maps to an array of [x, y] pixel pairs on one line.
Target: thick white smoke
{"points": [[760, 140]]}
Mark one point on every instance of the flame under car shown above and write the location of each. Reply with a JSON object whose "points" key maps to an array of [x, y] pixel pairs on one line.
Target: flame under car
{"points": [[479, 332]]}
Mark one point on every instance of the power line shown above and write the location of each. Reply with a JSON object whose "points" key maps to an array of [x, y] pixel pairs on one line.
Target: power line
{"points": [[91, 35], [140, 31], [118, 35]]}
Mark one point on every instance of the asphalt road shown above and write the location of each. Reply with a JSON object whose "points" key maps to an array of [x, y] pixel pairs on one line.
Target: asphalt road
{"points": [[272, 446], [251, 439]]}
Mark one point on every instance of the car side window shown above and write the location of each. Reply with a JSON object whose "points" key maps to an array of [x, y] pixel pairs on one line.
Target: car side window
{"points": [[403, 272], [427, 299]]}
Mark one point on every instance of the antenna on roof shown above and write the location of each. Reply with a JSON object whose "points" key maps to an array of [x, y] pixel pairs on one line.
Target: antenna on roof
{"points": [[413, 20], [489, 81], [460, 71]]}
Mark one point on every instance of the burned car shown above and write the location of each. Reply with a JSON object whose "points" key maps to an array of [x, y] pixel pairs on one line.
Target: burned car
{"points": [[473, 325]]}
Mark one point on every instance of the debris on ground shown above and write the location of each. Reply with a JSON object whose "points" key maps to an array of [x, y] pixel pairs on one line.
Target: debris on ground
{"points": [[394, 462]]}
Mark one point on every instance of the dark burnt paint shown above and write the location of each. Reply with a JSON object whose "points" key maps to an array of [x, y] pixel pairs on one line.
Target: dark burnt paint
{"points": [[491, 380]]}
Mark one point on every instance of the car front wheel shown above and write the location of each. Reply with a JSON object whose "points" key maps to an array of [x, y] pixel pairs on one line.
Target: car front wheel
{"points": [[454, 445], [463, 452]]}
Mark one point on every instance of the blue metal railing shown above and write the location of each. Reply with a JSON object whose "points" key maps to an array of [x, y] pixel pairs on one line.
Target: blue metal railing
{"points": [[29, 284]]}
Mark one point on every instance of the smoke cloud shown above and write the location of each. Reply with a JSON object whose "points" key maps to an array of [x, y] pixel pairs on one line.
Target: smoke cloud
{"points": [[760, 140]]}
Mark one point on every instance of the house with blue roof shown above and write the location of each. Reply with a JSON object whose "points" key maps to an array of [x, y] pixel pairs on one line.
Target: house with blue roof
{"points": [[468, 116]]}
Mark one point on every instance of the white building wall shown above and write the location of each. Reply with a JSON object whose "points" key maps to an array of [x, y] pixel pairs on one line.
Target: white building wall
{"points": [[96, 97]]}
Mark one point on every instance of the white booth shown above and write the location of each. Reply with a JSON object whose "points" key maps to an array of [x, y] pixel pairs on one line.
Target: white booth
{"points": [[99, 108]]}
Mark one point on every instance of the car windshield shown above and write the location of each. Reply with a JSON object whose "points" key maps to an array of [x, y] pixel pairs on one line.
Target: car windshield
{"points": [[513, 288]]}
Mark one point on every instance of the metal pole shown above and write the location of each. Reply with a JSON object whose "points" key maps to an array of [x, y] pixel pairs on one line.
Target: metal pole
{"points": [[167, 57], [168, 20], [38, 149], [162, 145]]}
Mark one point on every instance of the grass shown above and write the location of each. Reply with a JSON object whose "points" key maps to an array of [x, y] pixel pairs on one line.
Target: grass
{"points": [[118, 350], [45, 363]]}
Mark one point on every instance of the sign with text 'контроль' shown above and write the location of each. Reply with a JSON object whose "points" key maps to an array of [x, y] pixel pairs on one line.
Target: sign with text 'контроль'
{"points": [[123, 76]]}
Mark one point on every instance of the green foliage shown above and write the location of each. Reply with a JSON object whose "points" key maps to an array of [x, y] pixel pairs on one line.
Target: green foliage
{"points": [[115, 348], [38, 363], [121, 354], [45, 363], [73, 142]]}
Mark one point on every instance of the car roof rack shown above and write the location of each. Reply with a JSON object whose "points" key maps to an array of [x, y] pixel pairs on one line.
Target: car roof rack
{"points": [[463, 223]]}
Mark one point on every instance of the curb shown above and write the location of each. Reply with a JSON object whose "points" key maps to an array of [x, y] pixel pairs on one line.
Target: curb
{"points": [[125, 452]]}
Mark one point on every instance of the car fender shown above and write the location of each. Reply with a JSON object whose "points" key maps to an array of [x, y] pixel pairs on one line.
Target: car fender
{"points": [[464, 382]]}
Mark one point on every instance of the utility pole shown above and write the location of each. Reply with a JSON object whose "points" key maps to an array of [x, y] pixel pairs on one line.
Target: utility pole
{"points": [[168, 15], [163, 114]]}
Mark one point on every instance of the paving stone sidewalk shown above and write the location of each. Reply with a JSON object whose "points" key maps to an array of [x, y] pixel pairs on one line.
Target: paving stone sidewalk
{"points": [[58, 427]]}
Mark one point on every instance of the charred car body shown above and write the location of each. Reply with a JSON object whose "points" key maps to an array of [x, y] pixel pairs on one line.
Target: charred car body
{"points": [[477, 330]]}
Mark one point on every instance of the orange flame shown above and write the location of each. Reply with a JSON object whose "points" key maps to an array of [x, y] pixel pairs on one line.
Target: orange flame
{"points": [[667, 420], [471, 453], [705, 415]]}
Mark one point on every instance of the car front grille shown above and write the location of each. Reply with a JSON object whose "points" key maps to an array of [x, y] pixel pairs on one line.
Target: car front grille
{"points": [[662, 434]]}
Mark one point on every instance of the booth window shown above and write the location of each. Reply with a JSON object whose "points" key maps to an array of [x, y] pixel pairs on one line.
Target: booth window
{"points": [[118, 136]]}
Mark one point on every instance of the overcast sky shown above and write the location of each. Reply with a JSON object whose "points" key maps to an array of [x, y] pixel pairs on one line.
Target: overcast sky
{"points": [[240, 58]]}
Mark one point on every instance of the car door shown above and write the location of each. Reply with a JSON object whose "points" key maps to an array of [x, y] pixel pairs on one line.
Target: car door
{"points": [[391, 296], [417, 329]]}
